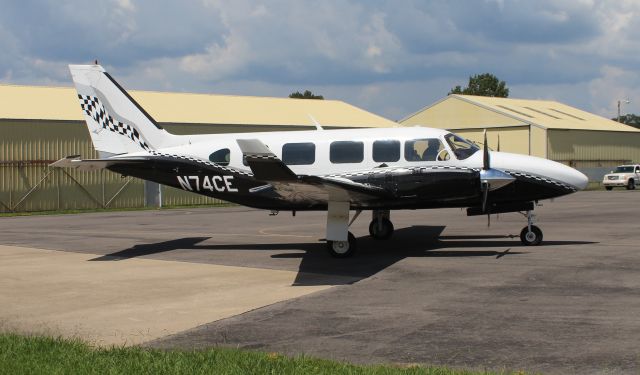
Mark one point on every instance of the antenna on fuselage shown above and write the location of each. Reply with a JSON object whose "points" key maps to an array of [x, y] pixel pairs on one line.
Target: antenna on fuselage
{"points": [[315, 122]]}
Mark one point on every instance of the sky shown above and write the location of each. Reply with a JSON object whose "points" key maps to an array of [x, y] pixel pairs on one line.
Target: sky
{"points": [[389, 57]]}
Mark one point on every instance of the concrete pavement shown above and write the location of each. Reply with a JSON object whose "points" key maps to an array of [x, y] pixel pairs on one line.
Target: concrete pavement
{"points": [[444, 290]]}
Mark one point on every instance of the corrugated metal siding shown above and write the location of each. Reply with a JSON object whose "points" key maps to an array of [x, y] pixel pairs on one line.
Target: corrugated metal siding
{"points": [[176, 197], [538, 142], [27, 147], [581, 145], [39, 140]]}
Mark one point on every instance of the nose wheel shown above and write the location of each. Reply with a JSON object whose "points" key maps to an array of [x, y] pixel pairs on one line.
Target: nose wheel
{"points": [[531, 235], [342, 249]]}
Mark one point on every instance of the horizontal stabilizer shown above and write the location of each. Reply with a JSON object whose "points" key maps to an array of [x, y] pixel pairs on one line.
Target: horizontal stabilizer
{"points": [[92, 164], [264, 164]]}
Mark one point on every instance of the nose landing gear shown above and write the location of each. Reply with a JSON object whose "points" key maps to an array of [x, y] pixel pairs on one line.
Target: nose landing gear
{"points": [[531, 235]]}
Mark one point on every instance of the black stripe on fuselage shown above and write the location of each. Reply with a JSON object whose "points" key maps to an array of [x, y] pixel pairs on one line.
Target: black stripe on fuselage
{"points": [[410, 188]]}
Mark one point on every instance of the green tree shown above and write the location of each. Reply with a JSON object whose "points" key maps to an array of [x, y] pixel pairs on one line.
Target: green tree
{"points": [[483, 85], [629, 119], [305, 95]]}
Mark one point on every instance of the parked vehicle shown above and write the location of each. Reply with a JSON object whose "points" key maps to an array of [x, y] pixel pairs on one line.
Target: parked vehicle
{"points": [[627, 176]]}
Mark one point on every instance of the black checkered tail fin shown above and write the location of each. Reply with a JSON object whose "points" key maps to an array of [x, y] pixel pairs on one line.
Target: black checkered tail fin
{"points": [[117, 123]]}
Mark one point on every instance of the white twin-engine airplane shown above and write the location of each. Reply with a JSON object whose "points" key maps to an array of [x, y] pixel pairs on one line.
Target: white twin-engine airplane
{"points": [[334, 170]]}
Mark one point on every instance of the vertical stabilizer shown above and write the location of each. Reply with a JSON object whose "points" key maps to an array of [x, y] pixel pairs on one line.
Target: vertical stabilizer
{"points": [[117, 124]]}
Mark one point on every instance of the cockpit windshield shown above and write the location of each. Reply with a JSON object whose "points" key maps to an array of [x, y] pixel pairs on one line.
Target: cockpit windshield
{"points": [[460, 146]]}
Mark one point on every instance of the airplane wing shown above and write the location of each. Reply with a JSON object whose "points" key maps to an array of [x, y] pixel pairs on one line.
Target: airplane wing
{"points": [[266, 166]]}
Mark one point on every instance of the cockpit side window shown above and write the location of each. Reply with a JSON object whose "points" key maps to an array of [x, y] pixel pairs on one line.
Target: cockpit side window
{"points": [[427, 149], [460, 146], [221, 157]]}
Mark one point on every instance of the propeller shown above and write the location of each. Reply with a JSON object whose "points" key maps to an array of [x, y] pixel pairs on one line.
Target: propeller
{"points": [[486, 158], [490, 179]]}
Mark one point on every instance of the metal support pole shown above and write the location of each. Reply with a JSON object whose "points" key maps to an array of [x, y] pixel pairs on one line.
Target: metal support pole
{"points": [[152, 194], [83, 188], [118, 192], [32, 189]]}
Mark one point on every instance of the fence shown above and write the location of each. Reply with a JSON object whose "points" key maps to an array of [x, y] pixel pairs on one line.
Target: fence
{"points": [[31, 185]]}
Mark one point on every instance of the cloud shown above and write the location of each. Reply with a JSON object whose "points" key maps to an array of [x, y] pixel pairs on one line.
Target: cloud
{"points": [[388, 56]]}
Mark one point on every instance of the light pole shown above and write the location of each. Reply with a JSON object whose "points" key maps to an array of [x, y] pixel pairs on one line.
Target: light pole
{"points": [[627, 101]]}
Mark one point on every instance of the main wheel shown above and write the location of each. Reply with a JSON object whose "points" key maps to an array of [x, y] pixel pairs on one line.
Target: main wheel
{"points": [[608, 187], [342, 249], [381, 230], [532, 238], [631, 185]]}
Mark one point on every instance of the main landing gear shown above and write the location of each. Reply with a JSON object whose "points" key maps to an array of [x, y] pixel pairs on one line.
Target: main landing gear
{"points": [[381, 227], [531, 235], [343, 249], [340, 242]]}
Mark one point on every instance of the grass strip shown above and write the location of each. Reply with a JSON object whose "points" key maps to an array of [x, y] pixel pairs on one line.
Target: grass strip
{"points": [[45, 355]]}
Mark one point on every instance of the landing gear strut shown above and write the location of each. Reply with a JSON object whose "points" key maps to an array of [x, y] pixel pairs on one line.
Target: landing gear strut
{"points": [[340, 242], [381, 227], [531, 235]]}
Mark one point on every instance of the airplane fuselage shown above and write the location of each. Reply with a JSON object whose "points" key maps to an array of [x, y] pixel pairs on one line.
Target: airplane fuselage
{"points": [[212, 165]]}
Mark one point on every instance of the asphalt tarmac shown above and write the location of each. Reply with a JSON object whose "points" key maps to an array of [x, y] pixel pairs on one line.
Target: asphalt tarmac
{"points": [[446, 289]]}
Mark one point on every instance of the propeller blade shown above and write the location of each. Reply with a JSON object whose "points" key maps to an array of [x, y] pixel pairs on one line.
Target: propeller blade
{"points": [[485, 196], [486, 165]]}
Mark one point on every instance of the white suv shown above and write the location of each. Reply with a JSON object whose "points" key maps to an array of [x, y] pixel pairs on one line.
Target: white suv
{"points": [[624, 175]]}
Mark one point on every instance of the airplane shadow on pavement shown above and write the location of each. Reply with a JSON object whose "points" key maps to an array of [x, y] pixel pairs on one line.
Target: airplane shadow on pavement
{"points": [[317, 267]]}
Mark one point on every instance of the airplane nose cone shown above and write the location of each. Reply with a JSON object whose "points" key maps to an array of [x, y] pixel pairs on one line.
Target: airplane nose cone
{"points": [[540, 167], [575, 178]]}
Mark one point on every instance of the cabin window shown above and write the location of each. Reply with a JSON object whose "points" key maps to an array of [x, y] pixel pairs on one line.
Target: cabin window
{"points": [[387, 150], [346, 152], [221, 157], [299, 153], [428, 149]]}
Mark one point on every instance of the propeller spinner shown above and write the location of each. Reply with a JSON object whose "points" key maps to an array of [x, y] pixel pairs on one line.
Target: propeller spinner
{"points": [[491, 179]]}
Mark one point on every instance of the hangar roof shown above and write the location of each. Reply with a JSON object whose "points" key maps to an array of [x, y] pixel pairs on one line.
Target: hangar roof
{"points": [[547, 114], [61, 103]]}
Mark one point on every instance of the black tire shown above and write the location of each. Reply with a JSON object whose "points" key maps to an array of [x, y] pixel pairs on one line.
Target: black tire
{"points": [[531, 239], [383, 233], [609, 187], [342, 249], [631, 185]]}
